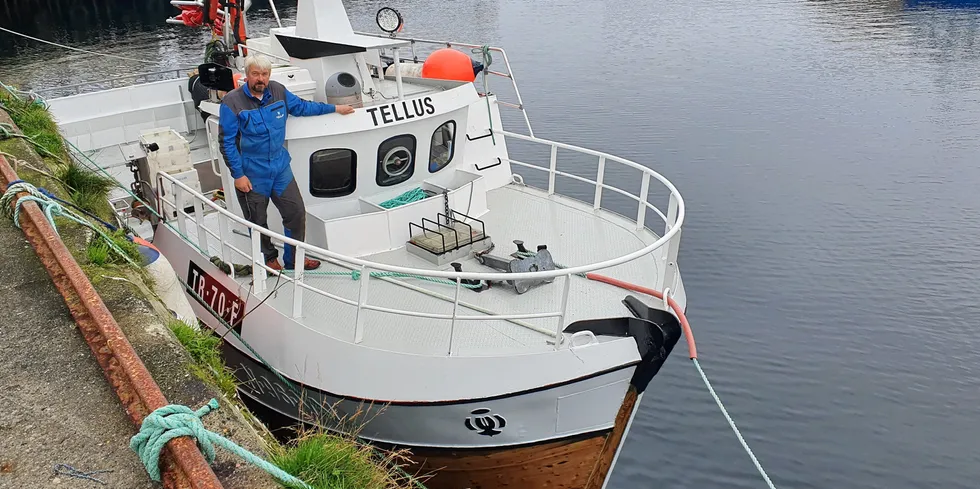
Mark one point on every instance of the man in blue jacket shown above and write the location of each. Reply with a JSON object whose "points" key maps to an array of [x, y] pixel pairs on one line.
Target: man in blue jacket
{"points": [[253, 132]]}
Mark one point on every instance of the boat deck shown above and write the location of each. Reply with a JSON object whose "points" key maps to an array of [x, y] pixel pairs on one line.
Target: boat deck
{"points": [[597, 237]]}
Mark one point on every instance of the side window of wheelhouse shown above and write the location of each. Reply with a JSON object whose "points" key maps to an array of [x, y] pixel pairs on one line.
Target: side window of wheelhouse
{"points": [[396, 160], [333, 172], [443, 144]]}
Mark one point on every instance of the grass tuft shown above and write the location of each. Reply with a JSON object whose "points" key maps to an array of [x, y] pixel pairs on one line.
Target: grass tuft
{"points": [[100, 253], [328, 461], [35, 121], [203, 347], [86, 189]]}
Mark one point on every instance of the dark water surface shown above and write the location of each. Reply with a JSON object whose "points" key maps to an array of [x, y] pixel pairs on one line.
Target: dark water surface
{"points": [[828, 153]]}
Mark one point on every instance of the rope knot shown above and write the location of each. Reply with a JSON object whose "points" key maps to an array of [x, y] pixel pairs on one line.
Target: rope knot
{"points": [[167, 423]]}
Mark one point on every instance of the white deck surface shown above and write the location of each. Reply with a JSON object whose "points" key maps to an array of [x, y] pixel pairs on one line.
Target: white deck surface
{"points": [[575, 235]]}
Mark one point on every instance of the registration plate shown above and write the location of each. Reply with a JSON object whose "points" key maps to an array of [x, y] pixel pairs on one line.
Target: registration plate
{"points": [[213, 293]]}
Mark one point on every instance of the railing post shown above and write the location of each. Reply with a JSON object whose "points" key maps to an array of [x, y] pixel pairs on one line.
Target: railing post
{"points": [[670, 249], [224, 235], [452, 324], [554, 166], [361, 301], [520, 101], [671, 213], [398, 73], [202, 233], [598, 183], [177, 193], [641, 213], [564, 310], [258, 272], [298, 279]]}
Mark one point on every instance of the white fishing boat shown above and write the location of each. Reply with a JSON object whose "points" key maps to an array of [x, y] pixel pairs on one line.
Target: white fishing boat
{"points": [[458, 306]]}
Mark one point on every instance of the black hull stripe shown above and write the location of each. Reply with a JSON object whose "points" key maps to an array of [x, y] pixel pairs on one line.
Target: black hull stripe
{"points": [[228, 348]]}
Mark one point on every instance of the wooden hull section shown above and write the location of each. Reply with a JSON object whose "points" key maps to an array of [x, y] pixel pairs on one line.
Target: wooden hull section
{"points": [[581, 462]]}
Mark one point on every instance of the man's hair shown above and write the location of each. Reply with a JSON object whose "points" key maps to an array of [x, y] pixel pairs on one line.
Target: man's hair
{"points": [[258, 61]]}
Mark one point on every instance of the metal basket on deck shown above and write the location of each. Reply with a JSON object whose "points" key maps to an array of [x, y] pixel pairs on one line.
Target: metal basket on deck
{"points": [[447, 238]]}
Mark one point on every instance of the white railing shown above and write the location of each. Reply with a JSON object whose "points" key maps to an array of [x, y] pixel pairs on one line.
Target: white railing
{"points": [[117, 81], [509, 74], [673, 220]]}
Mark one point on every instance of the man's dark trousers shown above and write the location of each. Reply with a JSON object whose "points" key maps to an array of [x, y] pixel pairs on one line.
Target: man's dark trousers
{"points": [[290, 204]]}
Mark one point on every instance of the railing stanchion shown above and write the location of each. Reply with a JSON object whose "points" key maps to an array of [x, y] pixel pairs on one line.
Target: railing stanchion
{"points": [[224, 235], [202, 233], [669, 260], [644, 193], [452, 324], [398, 73], [564, 310], [178, 193], [361, 301], [517, 92], [553, 166], [598, 183], [258, 271], [297, 280]]}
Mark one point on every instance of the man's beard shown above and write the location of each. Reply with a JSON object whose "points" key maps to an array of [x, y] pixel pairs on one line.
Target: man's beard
{"points": [[258, 87]]}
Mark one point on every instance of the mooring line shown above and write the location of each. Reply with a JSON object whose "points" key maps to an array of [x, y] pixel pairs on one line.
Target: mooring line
{"points": [[692, 353], [79, 49]]}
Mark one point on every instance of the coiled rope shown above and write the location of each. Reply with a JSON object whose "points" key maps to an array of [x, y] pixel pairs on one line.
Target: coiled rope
{"points": [[51, 208], [172, 421]]}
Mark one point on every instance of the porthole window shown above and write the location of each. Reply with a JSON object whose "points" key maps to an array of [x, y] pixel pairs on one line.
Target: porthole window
{"points": [[333, 172], [396, 160], [443, 144]]}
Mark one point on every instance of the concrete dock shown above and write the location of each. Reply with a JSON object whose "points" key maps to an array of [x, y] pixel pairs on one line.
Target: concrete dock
{"points": [[57, 408]]}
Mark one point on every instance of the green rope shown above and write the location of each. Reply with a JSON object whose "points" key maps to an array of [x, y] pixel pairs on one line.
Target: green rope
{"points": [[51, 208], [173, 421], [356, 275], [413, 195], [96, 167], [290, 384], [35, 98]]}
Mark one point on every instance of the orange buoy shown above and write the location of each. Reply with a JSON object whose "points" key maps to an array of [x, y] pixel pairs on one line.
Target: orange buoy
{"points": [[448, 64]]}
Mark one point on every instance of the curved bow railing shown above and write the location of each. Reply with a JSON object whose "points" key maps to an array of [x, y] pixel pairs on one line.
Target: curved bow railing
{"points": [[672, 219]]}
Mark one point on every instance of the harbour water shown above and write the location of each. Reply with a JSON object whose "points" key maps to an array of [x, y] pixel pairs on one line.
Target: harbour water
{"points": [[827, 152]]}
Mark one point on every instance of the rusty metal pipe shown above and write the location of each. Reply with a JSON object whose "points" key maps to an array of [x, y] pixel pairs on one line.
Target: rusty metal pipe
{"points": [[183, 466]]}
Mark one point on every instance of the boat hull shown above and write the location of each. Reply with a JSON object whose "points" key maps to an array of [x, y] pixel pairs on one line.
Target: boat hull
{"points": [[580, 461], [564, 434]]}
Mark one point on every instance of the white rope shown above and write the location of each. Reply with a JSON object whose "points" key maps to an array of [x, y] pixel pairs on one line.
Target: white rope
{"points": [[78, 49], [732, 424]]}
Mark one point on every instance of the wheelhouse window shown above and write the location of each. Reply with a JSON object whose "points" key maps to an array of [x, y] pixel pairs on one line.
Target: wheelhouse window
{"points": [[396, 160], [443, 144], [333, 172]]}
